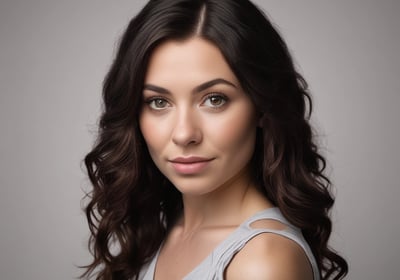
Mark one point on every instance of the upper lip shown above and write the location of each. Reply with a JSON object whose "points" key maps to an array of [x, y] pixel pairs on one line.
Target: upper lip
{"points": [[191, 159]]}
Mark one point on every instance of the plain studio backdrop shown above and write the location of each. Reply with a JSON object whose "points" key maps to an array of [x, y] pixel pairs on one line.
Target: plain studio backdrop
{"points": [[53, 58]]}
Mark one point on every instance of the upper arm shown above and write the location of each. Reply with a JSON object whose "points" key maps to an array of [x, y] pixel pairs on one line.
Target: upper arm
{"points": [[270, 256]]}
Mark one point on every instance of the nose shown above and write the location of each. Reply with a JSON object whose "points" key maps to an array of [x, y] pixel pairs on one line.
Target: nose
{"points": [[187, 129]]}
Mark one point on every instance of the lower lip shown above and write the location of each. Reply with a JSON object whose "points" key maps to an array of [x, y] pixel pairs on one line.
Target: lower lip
{"points": [[190, 168]]}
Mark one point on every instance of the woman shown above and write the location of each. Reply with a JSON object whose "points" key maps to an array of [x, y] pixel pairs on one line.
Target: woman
{"points": [[205, 165]]}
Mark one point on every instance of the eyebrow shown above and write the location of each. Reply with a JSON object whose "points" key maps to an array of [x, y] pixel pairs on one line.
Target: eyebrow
{"points": [[197, 89]]}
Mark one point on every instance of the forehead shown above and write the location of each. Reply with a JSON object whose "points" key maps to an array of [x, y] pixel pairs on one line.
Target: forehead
{"points": [[194, 59]]}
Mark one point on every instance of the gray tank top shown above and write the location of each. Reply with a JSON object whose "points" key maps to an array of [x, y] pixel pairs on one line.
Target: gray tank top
{"points": [[213, 266]]}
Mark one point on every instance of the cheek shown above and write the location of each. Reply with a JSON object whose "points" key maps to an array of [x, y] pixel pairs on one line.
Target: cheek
{"points": [[150, 132], [235, 132]]}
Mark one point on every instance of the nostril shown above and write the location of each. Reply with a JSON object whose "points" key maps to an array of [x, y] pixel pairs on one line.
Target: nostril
{"points": [[187, 130], [186, 136]]}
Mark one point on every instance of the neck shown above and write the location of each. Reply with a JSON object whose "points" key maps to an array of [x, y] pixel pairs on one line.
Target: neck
{"points": [[228, 205]]}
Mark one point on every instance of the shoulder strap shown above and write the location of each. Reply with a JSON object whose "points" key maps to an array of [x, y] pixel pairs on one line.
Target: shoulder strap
{"points": [[245, 233]]}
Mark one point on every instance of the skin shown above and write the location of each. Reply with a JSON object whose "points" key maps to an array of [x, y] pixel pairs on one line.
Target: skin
{"points": [[194, 106]]}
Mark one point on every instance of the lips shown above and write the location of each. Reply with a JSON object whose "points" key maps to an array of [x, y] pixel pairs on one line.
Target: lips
{"points": [[190, 165]]}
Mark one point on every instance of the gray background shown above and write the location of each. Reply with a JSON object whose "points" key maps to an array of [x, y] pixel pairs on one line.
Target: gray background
{"points": [[54, 55]]}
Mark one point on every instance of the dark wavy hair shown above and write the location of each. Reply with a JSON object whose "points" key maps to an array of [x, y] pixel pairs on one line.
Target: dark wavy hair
{"points": [[132, 205]]}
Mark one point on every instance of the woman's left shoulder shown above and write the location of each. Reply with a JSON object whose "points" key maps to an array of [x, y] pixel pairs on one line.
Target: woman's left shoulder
{"points": [[270, 256]]}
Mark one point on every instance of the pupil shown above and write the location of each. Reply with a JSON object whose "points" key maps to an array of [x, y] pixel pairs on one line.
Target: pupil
{"points": [[215, 100]]}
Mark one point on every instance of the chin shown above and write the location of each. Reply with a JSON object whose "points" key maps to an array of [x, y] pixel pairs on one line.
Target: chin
{"points": [[192, 188]]}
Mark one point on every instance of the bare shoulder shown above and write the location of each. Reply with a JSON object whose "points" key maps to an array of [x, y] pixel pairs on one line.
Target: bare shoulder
{"points": [[270, 256]]}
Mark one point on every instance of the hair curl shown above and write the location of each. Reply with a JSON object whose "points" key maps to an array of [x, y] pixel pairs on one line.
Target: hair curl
{"points": [[132, 205]]}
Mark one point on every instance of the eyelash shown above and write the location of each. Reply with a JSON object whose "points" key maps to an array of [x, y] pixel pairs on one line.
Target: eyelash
{"points": [[223, 97], [150, 100]]}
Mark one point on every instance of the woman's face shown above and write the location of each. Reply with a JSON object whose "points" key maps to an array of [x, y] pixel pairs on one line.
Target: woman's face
{"points": [[199, 125]]}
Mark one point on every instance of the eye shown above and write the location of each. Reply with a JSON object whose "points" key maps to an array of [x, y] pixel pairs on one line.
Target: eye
{"points": [[158, 103], [215, 100]]}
